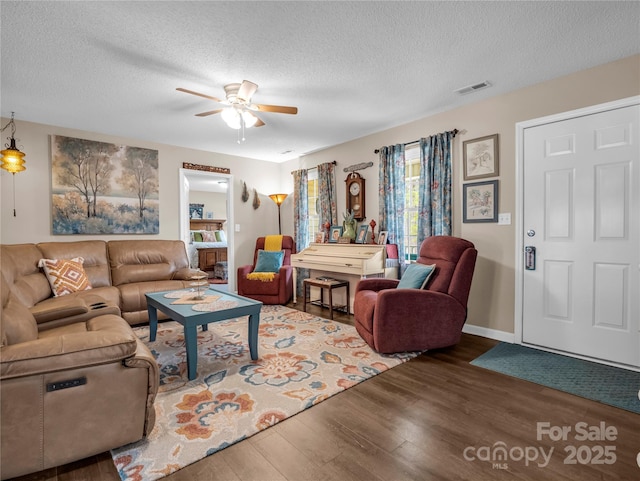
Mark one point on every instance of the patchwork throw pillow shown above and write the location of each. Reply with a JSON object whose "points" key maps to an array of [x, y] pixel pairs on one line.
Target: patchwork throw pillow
{"points": [[416, 276], [65, 275], [269, 261], [209, 236]]}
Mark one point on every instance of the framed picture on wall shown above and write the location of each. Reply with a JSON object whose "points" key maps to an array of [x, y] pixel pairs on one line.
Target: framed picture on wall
{"points": [[195, 211], [480, 157], [480, 201]]}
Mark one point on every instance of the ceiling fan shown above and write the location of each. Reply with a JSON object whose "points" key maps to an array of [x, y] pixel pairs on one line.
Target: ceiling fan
{"points": [[240, 110]]}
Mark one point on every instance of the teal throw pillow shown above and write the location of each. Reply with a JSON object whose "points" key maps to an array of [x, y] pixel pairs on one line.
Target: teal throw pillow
{"points": [[416, 276], [269, 261]]}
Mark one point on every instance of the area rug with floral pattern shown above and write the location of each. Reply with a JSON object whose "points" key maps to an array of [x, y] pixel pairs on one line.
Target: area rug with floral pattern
{"points": [[303, 360]]}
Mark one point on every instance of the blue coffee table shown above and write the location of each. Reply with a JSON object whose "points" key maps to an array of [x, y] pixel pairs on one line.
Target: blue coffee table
{"points": [[191, 319]]}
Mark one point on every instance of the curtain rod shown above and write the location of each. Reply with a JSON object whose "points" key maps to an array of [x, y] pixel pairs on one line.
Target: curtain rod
{"points": [[311, 168], [454, 132]]}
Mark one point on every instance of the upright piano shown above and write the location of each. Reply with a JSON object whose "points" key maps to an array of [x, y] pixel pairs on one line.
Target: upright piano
{"points": [[350, 262]]}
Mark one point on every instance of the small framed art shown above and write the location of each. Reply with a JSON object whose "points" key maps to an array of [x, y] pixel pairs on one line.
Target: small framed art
{"points": [[319, 237], [335, 233], [382, 237], [480, 201], [361, 238], [195, 211], [480, 157]]}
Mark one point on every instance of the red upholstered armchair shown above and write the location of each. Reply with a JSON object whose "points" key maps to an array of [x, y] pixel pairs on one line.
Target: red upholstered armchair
{"points": [[276, 291], [395, 320]]}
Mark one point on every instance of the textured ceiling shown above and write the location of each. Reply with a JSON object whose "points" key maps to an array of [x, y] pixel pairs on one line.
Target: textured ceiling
{"points": [[352, 68]]}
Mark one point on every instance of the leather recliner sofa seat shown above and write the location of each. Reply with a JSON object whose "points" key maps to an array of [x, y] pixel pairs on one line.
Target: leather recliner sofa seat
{"points": [[75, 380], [120, 272]]}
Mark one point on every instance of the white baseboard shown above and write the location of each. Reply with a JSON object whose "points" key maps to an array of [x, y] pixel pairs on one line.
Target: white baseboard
{"points": [[489, 333]]}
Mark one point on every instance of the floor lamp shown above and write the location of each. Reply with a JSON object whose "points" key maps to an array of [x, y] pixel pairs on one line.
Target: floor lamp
{"points": [[279, 199]]}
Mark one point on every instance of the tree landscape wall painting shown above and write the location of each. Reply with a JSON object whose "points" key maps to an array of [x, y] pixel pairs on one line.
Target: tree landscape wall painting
{"points": [[102, 188]]}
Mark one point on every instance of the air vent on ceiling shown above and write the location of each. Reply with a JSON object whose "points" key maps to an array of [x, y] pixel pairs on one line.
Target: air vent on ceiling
{"points": [[473, 88]]}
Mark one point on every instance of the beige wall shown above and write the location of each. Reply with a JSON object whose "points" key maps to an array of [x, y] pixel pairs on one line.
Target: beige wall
{"points": [[492, 300], [33, 186], [215, 202]]}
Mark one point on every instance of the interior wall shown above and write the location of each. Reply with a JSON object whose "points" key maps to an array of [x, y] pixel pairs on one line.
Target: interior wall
{"points": [[491, 304], [33, 190], [215, 202]]}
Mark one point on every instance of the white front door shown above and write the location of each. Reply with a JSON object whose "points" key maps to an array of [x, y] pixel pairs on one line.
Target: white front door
{"points": [[581, 213]]}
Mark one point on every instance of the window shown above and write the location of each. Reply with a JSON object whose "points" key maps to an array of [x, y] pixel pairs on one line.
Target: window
{"points": [[312, 198], [412, 181]]}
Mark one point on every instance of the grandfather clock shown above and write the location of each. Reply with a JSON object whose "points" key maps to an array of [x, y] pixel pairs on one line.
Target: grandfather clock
{"points": [[355, 195]]}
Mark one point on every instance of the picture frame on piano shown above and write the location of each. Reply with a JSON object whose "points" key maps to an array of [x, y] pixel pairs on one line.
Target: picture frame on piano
{"points": [[335, 233], [361, 238], [382, 237], [319, 239]]}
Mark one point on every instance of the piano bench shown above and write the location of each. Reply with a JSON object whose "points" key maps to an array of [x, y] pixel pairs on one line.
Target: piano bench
{"points": [[324, 283]]}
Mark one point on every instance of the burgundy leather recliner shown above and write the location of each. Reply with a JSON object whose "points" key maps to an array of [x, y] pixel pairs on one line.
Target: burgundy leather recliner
{"points": [[396, 320], [277, 291]]}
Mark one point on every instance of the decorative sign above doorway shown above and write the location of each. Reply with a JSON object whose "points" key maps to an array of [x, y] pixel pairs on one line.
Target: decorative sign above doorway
{"points": [[206, 168]]}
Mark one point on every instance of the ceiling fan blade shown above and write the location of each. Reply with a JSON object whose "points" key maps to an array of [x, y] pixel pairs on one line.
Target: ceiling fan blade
{"points": [[246, 90], [215, 99], [259, 123], [210, 112], [281, 109]]}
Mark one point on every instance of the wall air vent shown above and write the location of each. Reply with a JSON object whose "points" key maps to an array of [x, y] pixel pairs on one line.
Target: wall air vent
{"points": [[473, 88]]}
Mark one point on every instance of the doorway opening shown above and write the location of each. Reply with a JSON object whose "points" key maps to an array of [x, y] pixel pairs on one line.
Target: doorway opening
{"points": [[192, 181]]}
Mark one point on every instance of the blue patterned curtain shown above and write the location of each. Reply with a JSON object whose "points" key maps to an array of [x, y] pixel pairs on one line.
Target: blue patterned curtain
{"points": [[301, 219], [327, 193], [391, 195], [434, 210]]}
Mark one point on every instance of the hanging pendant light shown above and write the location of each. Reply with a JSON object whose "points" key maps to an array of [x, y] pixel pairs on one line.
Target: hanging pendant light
{"points": [[12, 158]]}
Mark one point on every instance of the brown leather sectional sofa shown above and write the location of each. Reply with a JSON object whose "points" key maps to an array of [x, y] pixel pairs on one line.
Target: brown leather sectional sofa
{"points": [[74, 379]]}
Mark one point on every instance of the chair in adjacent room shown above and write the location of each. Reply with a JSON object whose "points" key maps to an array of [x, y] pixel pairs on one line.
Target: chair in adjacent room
{"points": [[270, 278], [427, 308]]}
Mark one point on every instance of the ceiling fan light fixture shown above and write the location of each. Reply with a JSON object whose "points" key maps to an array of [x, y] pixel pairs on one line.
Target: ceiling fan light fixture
{"points": [[249, 119], [232, 117]]}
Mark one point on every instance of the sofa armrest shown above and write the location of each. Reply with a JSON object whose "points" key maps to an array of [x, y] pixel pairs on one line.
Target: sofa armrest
{"points": [[187, 273], [376, 284], [59, 308], [143, 359], [107, 339], [244, 270], [396, 307]]}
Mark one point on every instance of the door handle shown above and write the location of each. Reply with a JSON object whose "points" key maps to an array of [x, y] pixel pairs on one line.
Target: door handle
{"points": [[530, 258]]}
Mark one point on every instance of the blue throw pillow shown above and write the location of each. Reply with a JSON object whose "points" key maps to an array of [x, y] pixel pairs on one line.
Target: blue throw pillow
{"points": [[269, 261], [416, 276]]}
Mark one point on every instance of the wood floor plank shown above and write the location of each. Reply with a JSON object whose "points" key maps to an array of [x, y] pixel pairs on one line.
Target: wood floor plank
{"points": [[247, 463], [292, 462], [318, 442]]}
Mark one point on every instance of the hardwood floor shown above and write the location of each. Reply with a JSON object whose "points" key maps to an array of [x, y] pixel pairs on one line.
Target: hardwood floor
{"points": [[416, 422]]}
